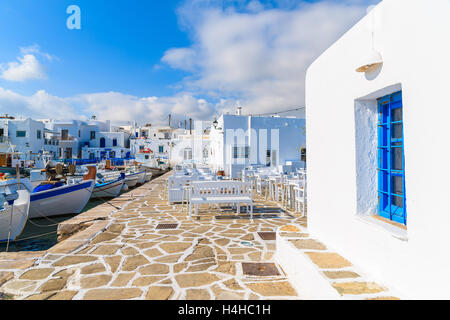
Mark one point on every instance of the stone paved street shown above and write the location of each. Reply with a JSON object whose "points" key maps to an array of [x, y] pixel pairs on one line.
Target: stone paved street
{"points": [[145, 249], [132, 259]]}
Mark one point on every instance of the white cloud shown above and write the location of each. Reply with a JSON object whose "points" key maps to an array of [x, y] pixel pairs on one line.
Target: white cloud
{"points": [[36, 49], [27, 68], [39, 105], [252, 52], [122, 107], [180, 58], [108, 105]]}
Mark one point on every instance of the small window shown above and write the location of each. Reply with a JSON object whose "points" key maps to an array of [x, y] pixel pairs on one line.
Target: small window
{"points": [[241, 152], [39, 134], [64, 134], [188, 154], [21, 134], [92, 135], [303, 154], [114, 142], [161, 149]]}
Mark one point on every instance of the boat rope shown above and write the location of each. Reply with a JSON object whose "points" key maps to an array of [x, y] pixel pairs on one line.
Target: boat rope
{"points": [[37, 236], [42, 225]]}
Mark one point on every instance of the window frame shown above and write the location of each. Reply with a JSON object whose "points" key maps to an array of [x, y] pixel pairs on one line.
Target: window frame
{"points": [[20, 136], [387, 144]]}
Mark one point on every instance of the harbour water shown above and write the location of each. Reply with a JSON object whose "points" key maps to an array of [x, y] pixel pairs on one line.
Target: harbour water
{"points": [[40, 234]]}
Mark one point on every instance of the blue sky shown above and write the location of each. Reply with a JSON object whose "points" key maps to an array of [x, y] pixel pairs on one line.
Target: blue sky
{"points": [[117, 48], [141, 60]]}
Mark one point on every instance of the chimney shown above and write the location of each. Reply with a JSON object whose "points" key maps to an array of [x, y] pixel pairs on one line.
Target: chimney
{"points": [[190, 126], [170, 118], [185, 124], [239, 111]]}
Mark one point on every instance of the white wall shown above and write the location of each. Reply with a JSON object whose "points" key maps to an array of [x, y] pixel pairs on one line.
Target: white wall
{"points": [[29, 143], [412, 36]]}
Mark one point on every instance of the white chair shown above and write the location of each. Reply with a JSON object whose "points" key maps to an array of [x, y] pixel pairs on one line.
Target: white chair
{"points": [[300, 200], [261, 186], [275, 190]]}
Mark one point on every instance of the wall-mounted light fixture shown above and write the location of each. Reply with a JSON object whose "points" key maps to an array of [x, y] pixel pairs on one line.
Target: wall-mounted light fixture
{"points": [[373, 58], [370, 61]]}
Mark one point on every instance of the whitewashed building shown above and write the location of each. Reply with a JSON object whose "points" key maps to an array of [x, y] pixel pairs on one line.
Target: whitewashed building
{"points": [[175, 145], [154, 140], [91, 139], [73, 135], [378, 173], [193, 145], [238, 141], [108, 145], [25, 136]]}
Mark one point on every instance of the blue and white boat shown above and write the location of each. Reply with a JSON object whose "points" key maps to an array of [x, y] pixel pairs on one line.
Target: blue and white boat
{"points": [[14, 209], [54, 199], [108, 189]]}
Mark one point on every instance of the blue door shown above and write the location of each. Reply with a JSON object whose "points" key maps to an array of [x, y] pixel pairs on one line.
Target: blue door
{"points": [[102, 142], [391, 159]]}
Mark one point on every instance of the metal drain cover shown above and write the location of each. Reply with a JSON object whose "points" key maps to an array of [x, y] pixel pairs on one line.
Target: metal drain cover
{"points": [[268, 235], [260, 269], [167, 226]]}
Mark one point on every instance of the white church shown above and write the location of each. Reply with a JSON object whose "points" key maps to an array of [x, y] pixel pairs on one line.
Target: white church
{"points": [[377, 146]]}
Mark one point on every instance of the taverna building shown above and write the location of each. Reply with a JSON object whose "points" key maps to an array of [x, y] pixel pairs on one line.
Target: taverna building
{"points": [[378, 163]]}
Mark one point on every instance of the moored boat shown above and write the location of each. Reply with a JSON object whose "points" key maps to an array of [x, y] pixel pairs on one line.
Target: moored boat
{"points": [[56, 199], [14, 209], [108, 189], [131, 180], [141, 177]]}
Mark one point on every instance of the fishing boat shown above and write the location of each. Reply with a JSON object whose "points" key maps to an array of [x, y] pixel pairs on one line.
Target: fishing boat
{"points": [[141, 177], [59, 198], [108, 189], [133, 171], [147, 162], [131, 180], [14, 209]]}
